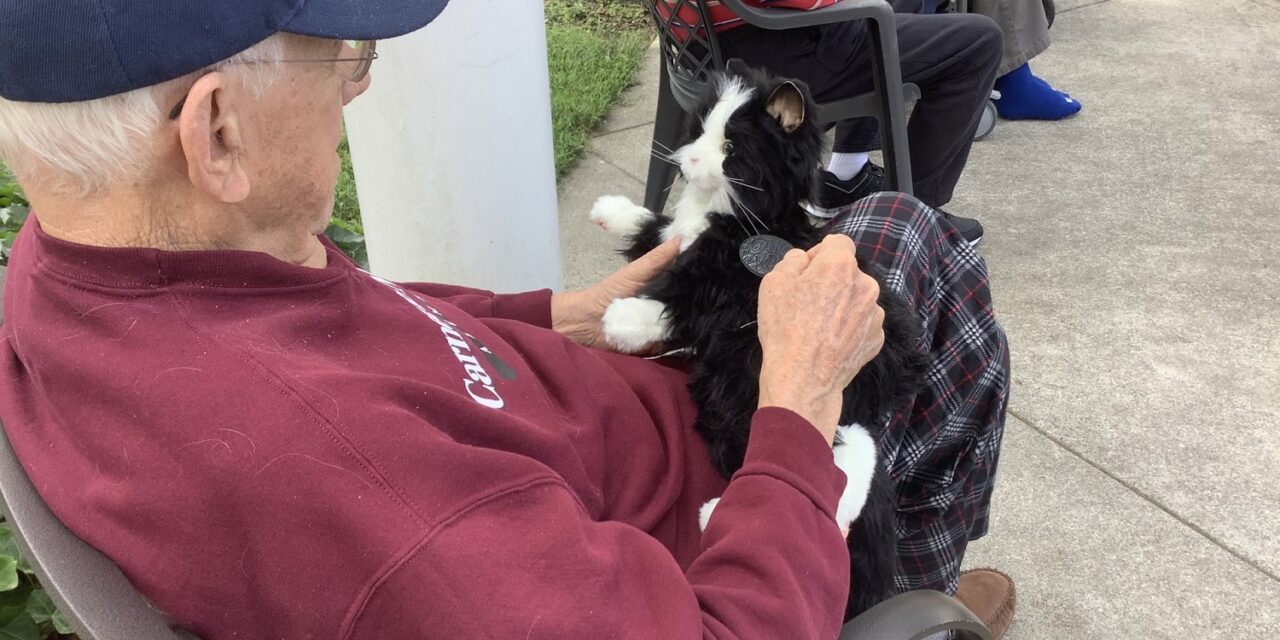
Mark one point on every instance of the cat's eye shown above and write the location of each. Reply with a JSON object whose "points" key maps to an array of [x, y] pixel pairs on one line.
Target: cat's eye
{"points": [[727, 148]]}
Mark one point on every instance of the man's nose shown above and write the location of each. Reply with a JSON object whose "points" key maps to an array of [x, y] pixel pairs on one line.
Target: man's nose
{"points": [[352, 90]]}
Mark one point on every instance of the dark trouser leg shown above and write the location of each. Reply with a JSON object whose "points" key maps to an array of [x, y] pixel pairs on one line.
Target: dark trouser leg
{"points": [[953, 59], [942, 451]]}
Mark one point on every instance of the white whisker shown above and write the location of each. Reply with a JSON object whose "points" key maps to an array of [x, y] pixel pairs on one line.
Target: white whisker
{"points": [[734, 214], [752, 215], [665, 147], [660, 154], [741, 183], [664, 158], [750, 221], [739, 221]]}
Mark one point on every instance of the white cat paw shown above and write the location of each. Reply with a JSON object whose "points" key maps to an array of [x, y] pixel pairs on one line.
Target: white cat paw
{"points": [[619, 215], [704, 514], [856, 456], [632, 324]]}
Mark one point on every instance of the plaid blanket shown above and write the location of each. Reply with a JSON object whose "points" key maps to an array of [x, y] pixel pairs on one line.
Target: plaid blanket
{"points": [[942, 451]]}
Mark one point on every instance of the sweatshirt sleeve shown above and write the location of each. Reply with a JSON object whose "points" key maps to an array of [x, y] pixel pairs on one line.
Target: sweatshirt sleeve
{"points": [[532, 307], [527, 562]]}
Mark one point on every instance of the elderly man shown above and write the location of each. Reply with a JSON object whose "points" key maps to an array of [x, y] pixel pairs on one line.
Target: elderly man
{"points": [[272, 443]]}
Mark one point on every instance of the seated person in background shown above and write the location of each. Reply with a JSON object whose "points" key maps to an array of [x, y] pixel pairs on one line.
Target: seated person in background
{"points": [[271, 442], [952, 58], [1023, 95]]}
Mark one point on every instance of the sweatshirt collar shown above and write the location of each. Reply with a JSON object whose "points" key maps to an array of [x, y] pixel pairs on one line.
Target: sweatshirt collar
{"points": [[140, 268]]}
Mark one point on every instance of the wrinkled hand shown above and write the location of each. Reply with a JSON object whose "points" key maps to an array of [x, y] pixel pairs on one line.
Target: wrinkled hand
{"points": [[819, 324], [578, 314]]}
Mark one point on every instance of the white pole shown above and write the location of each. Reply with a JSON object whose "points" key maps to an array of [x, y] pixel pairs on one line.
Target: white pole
{"points": [[453, 152]]}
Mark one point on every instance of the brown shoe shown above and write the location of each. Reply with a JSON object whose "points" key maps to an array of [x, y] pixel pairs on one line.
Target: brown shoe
{"points": [[991, 596]]}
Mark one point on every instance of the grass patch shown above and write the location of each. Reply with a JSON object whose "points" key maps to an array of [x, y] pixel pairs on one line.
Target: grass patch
{"points": [[346, 207], [593, 49]]}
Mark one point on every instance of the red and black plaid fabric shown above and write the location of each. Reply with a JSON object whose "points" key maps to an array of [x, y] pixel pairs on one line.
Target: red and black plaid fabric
{"points": [[943, 450], [722, 18]]}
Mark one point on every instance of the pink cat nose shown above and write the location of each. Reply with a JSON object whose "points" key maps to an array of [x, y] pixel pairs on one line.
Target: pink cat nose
{"points": [[693, 161]]}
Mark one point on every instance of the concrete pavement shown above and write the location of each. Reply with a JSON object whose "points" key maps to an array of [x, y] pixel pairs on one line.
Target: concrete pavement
{"points": [[1133, 256]]}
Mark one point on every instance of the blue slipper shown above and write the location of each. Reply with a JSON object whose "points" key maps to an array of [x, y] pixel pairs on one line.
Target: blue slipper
{"points": [[1023, 96]]}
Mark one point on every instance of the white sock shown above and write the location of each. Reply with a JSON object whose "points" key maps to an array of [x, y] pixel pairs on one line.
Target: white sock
{"points": [[847, 165]]}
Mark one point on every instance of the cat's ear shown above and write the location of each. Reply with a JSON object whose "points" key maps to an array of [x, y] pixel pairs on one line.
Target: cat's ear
{"points": [[736, 67], [786, 104]]}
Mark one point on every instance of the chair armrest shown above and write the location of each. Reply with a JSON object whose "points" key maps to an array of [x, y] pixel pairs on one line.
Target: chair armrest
{"points": [[913, 616], [844, 11]]}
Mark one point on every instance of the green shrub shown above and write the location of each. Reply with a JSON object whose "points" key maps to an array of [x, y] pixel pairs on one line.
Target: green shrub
{"points": [[26, 612], [345, 229], [13, 212]]}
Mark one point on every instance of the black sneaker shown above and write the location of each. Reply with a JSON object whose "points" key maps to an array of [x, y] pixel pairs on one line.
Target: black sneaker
{"points": [[833, 194], [969, 228]]}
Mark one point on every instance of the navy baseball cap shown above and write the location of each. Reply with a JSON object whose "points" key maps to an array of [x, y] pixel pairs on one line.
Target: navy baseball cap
{"points": [[69, 50]]}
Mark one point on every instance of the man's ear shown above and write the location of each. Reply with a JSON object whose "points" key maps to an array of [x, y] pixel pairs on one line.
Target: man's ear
{"points": [[786, 104], [210, 133]]}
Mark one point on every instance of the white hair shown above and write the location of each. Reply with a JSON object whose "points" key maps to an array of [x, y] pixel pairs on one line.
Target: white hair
{"points": [[81, 148]]}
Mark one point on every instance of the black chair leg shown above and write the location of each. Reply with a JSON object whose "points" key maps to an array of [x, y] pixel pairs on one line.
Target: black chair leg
{"points": [[887, 72], [669, 127]]}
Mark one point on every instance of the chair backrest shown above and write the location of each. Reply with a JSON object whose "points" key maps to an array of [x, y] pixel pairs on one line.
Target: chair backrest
{"points": [[89, 589], [690, 51]]}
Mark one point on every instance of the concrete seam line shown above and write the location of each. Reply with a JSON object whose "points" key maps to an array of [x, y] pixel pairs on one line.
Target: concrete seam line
{"points": [[610, 163], [1147, 497]]}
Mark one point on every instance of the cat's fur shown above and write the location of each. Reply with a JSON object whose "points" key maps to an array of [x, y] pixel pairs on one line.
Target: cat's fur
{"points": [[706, 300]]}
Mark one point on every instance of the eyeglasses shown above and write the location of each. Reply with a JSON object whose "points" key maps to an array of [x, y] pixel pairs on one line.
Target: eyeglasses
{"points": [[353, 65]]}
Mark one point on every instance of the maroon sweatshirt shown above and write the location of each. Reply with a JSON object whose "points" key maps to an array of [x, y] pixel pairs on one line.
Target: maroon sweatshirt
{"points": [[275, 451]]}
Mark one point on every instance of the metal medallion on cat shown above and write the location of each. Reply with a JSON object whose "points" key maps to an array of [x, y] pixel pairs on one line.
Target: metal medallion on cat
{"points": [[760, 254]]}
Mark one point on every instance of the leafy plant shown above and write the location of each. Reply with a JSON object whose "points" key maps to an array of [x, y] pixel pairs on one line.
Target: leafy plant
{"points": [[26, 612], [13, 212], [350, 238]]}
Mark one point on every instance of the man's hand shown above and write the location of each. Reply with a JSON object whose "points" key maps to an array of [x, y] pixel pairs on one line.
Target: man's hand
{"points": [[819, 324], [578, 314]]}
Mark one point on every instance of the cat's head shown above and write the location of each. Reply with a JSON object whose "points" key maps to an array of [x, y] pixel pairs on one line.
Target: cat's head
{"points": [[753, 136]]}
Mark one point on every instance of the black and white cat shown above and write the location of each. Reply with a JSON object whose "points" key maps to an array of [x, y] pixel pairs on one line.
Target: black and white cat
{"points": [[752, 157]]}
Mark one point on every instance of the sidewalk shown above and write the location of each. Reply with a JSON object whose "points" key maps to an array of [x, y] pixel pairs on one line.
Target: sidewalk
{"points": [[1133, 255]]}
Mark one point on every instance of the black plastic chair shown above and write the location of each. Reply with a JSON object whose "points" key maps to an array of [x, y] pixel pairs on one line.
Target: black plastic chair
{"points": [[101, 604], [691, 52]]}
